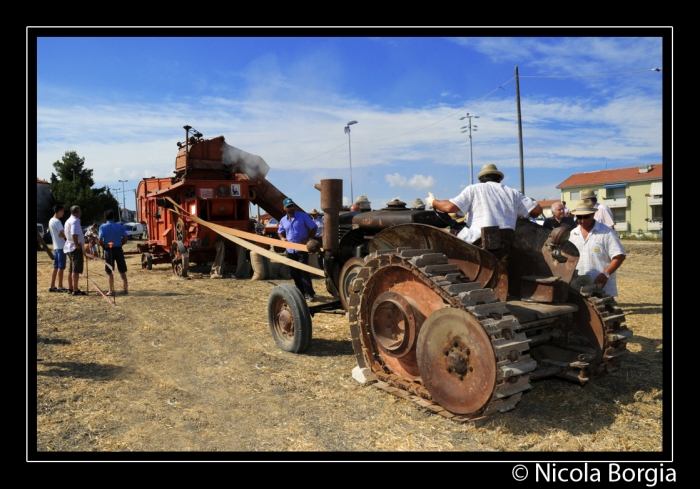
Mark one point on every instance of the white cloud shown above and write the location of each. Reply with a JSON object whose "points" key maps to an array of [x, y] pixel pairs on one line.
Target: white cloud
{"points": [[395, 180], [418, 182]]}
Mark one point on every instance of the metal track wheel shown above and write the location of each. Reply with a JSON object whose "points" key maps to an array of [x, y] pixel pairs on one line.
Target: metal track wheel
{"points": [[347, 275], [289, 318]]}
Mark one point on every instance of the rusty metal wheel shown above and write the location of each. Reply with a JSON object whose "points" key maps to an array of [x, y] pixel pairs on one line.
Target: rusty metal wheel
{"points": [[289, 318], [180, 259], [457, 361], [347, 275]]}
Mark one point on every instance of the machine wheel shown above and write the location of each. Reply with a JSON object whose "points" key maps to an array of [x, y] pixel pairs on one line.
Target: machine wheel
{"points": [[289, 318], [347, 275], [180, 259], [424, 328], [147, 261]]}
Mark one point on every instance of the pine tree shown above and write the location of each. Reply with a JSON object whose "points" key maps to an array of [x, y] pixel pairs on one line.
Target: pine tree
{"points": [[72, 185]]}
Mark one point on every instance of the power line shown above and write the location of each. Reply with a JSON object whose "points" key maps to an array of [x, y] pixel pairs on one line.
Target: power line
{"points": [[500, 87]]}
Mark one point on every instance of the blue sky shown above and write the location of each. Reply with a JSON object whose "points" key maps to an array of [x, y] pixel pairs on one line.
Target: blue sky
{"points": [[588, 103]]}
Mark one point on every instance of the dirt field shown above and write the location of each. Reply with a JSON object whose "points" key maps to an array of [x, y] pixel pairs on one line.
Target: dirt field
{"points": [[191, 366]]}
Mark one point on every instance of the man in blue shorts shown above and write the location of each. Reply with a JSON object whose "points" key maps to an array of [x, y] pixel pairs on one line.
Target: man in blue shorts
{"points": [[112, 237], [58, 239]]}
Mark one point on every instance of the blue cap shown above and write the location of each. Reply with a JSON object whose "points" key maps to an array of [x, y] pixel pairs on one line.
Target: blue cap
{"points": [[288, 202]]}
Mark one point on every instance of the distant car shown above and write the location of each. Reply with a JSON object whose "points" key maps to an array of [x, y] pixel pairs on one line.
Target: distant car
{"points": [[135, 229], [271, 228], [45, 234]]}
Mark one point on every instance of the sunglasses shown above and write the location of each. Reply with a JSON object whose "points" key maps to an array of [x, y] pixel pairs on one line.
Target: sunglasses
{"points": [[584, 217]]}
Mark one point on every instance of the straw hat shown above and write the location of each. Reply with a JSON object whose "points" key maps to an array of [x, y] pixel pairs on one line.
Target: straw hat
{"points": [[314, 212], [362, 199], [489, 169], [418, 204], [588, 194], [584, 207]]}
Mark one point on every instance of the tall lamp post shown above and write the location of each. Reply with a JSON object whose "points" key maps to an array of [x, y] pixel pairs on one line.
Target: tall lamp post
{"points": [[123, 198], [347, 131], [471, 156], [116, 193]]}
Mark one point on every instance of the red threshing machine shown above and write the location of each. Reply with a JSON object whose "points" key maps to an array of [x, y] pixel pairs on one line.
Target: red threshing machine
{"points": [[213, 181]]}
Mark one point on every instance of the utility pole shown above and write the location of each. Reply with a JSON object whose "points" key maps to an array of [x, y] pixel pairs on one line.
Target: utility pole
{"points": [[471, 155], [520, 131], [123, 198], [347, 131]]}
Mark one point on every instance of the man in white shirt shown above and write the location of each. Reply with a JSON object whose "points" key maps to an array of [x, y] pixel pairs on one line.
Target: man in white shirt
{"points": [[600, 250], [488, 203], [75, 249], [58, 239]]}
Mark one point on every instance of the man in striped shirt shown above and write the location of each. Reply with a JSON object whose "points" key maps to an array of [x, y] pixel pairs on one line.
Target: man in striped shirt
{"points": [[488, 203]]}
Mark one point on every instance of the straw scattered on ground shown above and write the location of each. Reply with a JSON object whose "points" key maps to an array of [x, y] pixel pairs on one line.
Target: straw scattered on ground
{"points": [[191, 366]]}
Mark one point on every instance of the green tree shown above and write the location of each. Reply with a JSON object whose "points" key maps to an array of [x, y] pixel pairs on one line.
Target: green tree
{"points": [[72, 185]]}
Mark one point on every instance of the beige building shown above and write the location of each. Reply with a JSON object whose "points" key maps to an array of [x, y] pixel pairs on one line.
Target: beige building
{"points": [[634, 195]]}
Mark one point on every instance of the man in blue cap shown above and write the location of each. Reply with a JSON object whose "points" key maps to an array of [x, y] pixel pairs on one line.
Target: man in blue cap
{"points": [[298, 227]]}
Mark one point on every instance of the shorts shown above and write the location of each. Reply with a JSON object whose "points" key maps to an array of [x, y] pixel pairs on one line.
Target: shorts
{"points": [[75, 261], [115, 254], [59, 259]]}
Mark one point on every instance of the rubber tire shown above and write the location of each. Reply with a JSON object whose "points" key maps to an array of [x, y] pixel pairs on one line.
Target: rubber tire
{"points": [[301, 339]]}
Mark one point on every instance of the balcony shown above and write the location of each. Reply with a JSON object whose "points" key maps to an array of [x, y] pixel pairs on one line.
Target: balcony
{"points": [[616, 203], [655, 225], [655, 200], [622, 227]]}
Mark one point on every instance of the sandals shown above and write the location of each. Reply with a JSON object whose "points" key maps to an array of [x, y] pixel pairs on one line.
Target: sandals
{"points": [[78, 292], [110, 294], [53, 289]]}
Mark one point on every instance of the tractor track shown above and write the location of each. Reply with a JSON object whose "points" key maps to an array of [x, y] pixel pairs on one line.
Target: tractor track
{"points": [[510, 345], [445, 279]]}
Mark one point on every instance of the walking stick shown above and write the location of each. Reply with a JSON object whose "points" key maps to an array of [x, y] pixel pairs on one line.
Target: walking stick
{"points": [[87, 270]]}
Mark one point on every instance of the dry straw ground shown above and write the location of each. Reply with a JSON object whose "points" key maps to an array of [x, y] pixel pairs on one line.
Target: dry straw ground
{"points": [[191, 366]]}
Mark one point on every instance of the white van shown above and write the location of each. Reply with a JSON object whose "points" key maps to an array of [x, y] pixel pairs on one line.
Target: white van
{"points": [[135, 229]]}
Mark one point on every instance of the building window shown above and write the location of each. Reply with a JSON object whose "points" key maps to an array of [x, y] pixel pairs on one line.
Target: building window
{"points": [[656, 212], [575, 196], [619, 214], [615, 193]]}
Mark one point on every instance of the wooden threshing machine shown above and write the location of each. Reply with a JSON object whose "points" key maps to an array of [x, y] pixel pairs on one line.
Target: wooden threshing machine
{"points": [[213, 181]]}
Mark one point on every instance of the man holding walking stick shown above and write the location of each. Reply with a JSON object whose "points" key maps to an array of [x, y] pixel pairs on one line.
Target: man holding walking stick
{"points": [[112, 237]]}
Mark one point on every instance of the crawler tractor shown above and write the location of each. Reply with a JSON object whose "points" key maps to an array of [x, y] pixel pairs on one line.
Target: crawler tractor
{"points": [[458, 328]]}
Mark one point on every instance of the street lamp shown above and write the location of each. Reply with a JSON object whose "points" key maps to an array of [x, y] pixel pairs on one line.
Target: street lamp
{"points": [[116, 195], [469, 128], [347, 131], [123, 198]]}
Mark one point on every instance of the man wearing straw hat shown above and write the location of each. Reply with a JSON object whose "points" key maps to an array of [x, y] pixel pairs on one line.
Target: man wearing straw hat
{"points": [[603, 214], [319, 233], [600, 250], [488, 203], [418, 205]]}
